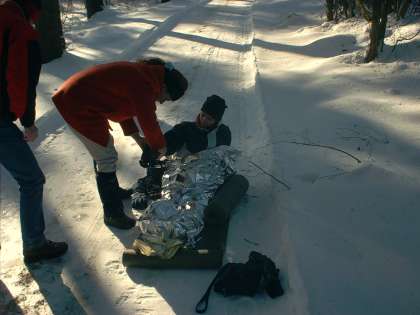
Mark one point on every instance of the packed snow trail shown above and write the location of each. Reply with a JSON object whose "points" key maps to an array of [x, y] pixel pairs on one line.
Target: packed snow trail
{"points": [[211, 44]]}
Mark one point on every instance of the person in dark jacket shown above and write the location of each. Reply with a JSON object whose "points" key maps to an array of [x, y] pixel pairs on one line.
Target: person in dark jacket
{"points": [[20, 65], [190, 137], [123, 92], [205, 132], [185, 138]]}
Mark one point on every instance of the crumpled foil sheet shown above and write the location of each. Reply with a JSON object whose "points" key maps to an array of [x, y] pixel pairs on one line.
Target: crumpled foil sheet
{"points": [[187, 186]]}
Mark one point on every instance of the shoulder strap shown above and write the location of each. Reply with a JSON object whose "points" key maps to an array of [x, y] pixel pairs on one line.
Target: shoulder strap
{"points": [[202, 305]]}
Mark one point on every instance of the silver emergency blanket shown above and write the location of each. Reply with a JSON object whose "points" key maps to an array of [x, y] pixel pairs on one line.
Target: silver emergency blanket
{"points": [[177, 218]]}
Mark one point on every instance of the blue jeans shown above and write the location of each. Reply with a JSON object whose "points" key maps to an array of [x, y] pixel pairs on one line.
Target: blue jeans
{"points": [[17, 158]]}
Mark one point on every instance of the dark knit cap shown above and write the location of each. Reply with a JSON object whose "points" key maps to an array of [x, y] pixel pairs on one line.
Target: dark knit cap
{"points": [[214, 106], [176, 83]]}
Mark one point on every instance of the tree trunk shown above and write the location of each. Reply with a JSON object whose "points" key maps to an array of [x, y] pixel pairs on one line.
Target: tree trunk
{"points": [[350, 8], [93, 6], [402, 10], [386, 8], [51, 32], [372, 52], [330, 10], [364, 10], [380, 12]]}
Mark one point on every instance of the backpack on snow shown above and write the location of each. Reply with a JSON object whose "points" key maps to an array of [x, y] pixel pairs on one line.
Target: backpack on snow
{"points": [[259, 273]]}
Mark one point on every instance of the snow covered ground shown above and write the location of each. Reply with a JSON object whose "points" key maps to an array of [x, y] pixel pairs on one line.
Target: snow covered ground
{"points": [[346, 236]]}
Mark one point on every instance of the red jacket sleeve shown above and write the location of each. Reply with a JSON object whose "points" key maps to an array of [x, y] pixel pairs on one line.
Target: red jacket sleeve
{"points": [[23, 67], [149, 124], [129, 127], [17, 71]]}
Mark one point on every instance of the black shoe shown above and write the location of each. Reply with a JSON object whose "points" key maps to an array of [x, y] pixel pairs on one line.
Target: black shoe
{"points": [[47, 251], [120, 222], [125, 193]]}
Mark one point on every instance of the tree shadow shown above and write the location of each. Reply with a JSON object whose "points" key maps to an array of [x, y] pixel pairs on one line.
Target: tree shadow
{"points": [[8, 304], [337, 235], [337, 45], [404, 52]]}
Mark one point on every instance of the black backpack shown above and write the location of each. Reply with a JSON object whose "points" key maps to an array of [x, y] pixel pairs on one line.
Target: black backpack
{"points": [[258, 274]]}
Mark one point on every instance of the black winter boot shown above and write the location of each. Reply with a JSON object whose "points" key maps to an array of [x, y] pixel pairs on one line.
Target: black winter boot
{"points": [[155, 173], [48, 250], [109, 192]]}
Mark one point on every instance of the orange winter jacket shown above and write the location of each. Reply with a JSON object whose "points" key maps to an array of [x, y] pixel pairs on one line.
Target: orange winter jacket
{"points": [[118, 92]]}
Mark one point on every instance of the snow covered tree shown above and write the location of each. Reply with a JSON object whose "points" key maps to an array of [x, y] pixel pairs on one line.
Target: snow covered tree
{"points": [[93, 6], [50, 29]]}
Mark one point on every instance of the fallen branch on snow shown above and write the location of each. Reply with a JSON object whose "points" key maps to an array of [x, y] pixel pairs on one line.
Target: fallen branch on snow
{"points": [[324, 146], [312, 145], [272, 176]]}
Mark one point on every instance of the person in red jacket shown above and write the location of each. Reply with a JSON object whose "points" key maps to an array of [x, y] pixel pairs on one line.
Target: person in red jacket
{"points": [[123, 92], [20, 65]]}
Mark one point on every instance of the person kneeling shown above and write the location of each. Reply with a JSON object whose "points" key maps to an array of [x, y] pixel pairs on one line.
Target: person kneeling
{"points": [[187, 137]]}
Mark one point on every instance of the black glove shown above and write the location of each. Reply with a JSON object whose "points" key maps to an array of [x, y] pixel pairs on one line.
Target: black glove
{"points": [[148, 156]]}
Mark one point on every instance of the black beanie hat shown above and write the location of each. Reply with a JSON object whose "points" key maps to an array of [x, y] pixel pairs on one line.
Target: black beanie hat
{"points": [[214, 106], [176, 83]]}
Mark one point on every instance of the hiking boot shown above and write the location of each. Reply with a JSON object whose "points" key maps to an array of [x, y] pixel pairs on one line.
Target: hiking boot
{"points": [[48, 250], [151, 183], [110, 194], [120, 222]]}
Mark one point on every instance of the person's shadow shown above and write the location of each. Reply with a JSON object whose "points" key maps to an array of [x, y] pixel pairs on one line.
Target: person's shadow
{"points": [[8, 304], [59, 297]]}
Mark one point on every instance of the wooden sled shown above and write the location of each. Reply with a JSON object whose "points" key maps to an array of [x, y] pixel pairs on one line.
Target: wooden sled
{"points": [[210, 249]]}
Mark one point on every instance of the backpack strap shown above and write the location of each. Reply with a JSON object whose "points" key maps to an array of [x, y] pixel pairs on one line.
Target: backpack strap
{"points": [[202, 305]]}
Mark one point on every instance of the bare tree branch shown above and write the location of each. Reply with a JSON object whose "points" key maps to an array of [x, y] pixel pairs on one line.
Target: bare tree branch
{"points": [[272, 176]]}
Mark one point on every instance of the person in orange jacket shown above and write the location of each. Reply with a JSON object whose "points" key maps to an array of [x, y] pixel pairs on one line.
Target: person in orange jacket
{"points": [[123, 92], [20, 66]]}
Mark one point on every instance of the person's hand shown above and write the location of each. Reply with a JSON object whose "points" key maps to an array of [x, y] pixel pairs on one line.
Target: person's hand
{"points": [[148, 156], [30, 133]]}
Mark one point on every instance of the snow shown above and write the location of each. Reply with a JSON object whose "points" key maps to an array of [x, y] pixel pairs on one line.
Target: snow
{"points": [[346, 236]]}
